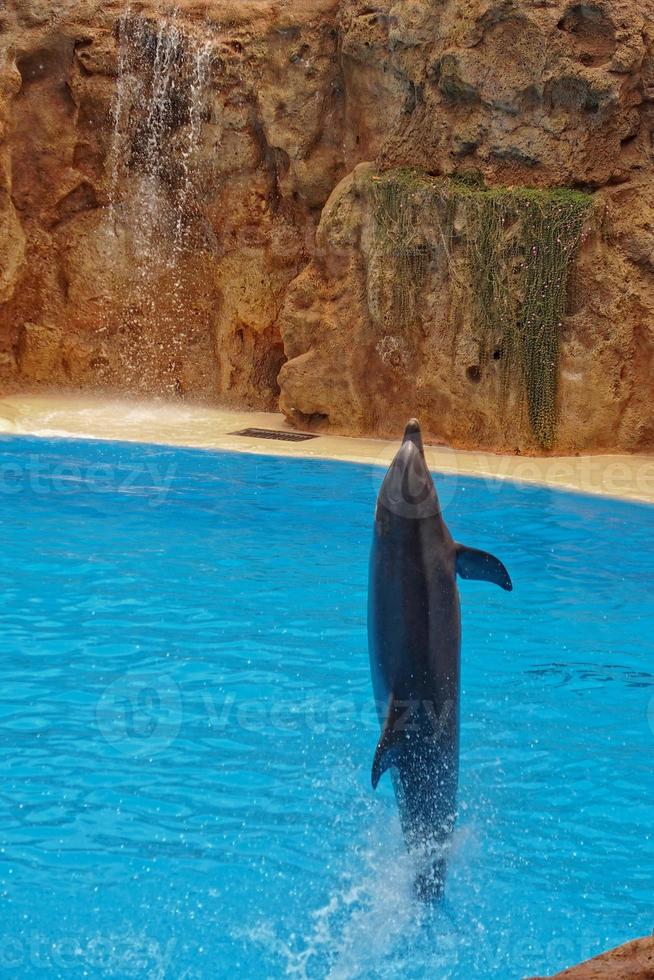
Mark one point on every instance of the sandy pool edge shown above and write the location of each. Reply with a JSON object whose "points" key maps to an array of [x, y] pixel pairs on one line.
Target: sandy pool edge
{"points": [[209, 428]]}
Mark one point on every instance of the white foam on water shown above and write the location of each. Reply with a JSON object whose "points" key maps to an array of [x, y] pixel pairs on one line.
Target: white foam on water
{"points": [[383, 917], [372, 925]]}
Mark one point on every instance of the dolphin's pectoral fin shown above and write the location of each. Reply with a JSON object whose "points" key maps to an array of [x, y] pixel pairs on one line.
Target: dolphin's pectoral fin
{"points": [[388, 746], [481, 566]]}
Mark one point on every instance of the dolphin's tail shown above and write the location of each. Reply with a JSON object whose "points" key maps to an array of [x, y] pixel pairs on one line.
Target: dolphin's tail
{"points": [[430, 881]]}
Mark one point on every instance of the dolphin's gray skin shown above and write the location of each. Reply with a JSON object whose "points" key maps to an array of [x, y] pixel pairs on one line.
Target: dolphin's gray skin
{"points": [[414, 638]]}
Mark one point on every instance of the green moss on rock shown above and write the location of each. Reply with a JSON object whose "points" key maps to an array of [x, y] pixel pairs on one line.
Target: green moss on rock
{"points": [[518, 247]]}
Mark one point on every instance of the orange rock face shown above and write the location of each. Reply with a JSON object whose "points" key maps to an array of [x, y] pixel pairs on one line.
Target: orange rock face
{"points": [[185, 203], [633, 961]]}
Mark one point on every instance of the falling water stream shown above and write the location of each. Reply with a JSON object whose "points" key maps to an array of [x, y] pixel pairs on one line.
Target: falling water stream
{"points": [[161, 103]]}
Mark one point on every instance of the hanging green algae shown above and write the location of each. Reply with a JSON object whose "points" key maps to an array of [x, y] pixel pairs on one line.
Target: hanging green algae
{"points": [[518, 247], [398, 235]]}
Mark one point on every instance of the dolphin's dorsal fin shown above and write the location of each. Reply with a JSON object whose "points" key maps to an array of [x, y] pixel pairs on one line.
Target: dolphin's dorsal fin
{"points": [[479, 565], [390, 742]]}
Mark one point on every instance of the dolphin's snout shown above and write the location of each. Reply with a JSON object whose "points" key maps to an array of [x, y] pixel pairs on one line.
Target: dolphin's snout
{"points": [[408, 489], [413, 434]]}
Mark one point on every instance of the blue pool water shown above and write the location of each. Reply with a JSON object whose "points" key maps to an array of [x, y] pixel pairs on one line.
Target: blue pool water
{"points": [[187, 728]]}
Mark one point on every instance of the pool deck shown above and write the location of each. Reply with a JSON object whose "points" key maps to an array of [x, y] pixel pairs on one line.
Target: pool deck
{"points": [[181, 424]]}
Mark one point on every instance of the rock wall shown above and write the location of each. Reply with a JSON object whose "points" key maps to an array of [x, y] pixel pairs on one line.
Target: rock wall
{"points": [[97, 292], [223, 246], [633, 961]]}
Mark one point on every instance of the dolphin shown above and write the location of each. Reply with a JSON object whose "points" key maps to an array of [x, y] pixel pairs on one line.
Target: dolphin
{"points": [[414, 641]]}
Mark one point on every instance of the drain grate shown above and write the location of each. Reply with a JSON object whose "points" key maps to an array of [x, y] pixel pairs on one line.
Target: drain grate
{"points": [[274, 434]]}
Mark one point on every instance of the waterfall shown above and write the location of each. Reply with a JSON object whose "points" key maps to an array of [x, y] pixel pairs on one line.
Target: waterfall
{"points": [[161, 103]]}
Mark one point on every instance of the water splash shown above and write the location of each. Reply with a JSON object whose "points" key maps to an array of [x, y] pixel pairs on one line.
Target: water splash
{"points": [[161, 104], [370, 923]]}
